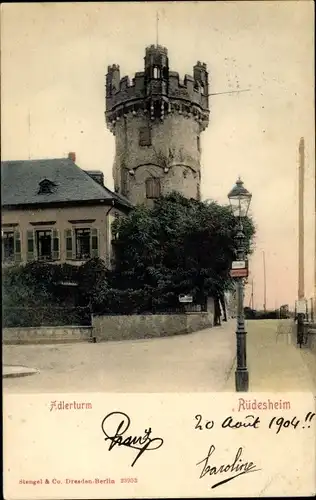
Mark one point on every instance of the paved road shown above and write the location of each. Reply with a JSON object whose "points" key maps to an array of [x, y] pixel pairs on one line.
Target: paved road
{"points": [[196, 362]]}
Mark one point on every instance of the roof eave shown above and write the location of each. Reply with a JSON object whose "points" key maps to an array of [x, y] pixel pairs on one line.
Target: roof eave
{"points": [[60, 204]]}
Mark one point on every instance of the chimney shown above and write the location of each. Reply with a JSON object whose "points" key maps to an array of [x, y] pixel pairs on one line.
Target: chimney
{"points": [[72, 156]]}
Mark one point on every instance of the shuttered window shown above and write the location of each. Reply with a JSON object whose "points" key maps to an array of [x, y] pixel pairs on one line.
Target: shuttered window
{"points": [[17, 246], [145, 136], [44, 244], [30, 245], [8, 246], [82, 243], [55, 245], [69, 244], [94, 243], [153, 188]]}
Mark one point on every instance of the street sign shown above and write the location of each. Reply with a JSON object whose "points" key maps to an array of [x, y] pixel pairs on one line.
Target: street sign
{"points": [[301, 306], [185, 298], [239, 264], [239, 273]]}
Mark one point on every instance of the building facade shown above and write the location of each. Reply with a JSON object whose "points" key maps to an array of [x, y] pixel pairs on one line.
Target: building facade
{"points": [[157, 121], [53, 211]]}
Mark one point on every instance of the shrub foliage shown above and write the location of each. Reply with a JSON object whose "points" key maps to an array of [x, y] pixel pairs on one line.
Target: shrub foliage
{"points": [[177, 246]]}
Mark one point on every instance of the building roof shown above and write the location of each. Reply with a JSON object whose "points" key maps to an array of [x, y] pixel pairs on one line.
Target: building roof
{"points": [[65, 182]]}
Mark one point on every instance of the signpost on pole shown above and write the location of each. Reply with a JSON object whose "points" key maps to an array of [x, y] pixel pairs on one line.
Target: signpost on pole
{"points": [[239, 269], [185, 299], [301, 306]]}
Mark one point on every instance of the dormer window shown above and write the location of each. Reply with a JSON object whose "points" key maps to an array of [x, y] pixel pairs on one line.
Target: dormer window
{"points": [[46, 187]]}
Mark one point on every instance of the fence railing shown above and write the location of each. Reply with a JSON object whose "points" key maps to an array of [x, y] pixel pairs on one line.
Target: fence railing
{"points": [[45, 316], [21, 316], [179, 309]]}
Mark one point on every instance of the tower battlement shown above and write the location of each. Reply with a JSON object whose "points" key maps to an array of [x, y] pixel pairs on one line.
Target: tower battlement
{"points": [[157, 91], [157, 119]]}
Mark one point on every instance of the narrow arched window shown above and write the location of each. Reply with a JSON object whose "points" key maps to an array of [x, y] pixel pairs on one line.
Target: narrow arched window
{"points": [[153, 188], [124, 182], [156, 72]]}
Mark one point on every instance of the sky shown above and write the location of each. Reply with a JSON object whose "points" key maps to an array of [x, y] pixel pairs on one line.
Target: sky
{"points": [[53, 66]]}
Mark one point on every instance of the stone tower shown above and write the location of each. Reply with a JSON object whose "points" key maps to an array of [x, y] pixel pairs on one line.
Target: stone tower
{"points": [[157, 120]]}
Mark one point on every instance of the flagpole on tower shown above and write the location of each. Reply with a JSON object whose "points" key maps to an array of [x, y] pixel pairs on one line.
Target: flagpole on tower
{"points": [[29, 132], [157, 28]]}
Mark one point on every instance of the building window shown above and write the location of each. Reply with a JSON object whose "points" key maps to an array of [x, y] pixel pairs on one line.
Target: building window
{"points": [[11, 246], [156, 72], [145, 136], [83, 250], [86, 244], [153, 188], [198, 143], [8, 246], [44, 245]]}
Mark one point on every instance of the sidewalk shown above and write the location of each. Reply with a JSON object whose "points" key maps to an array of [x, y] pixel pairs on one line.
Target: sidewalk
{"points": [[12, 371], [275, 363]]}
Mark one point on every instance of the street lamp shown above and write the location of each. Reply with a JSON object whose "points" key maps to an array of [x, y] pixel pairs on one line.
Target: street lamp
{"points": [[239, 199]]}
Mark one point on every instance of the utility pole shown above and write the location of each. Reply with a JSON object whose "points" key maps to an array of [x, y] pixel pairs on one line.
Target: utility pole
{"points": [[301, 285], [314, 308], [251, 296], [264, 283]]}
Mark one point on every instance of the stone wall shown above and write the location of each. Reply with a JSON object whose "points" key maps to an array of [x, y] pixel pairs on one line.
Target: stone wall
{"points": [[46, 335], [104, 328], [149, 325]]}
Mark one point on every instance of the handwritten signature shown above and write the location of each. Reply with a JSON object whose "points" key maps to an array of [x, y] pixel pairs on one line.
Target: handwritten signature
{"points": [[120, 422], [238, 467]]}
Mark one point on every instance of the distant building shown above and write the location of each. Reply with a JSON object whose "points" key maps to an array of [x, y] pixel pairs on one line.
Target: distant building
{"points": [[157, 120], [54, 211]]}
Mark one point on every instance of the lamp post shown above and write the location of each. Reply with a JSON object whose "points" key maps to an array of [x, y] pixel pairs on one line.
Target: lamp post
{"points": [[239, 199]]}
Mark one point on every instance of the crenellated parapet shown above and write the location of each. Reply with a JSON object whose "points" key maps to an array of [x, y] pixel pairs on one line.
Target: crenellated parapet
{"points": [[157, 91]]}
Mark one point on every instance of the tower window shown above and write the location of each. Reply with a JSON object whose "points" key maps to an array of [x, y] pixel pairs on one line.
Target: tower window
{"points": [[145, 136], [124, 182], [156, 72], [198, 143], [153, 188]]}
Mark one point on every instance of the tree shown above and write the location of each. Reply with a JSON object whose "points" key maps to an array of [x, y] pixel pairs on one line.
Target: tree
{"points": [[177, 246]]}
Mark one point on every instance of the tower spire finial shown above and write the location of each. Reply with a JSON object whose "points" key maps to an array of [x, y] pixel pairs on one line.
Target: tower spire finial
{"points": [[157, 27]]}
